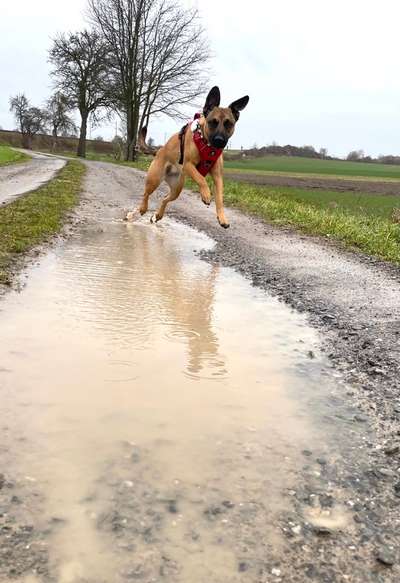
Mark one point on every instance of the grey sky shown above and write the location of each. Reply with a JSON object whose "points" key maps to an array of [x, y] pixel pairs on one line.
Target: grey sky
{"points": [[317, 73]]}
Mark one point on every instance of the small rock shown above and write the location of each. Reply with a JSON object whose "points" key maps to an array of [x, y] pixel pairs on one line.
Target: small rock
{"points": [[242, 567], [385, 472], [392, 449], [307, 452], [322, 530], [321, 461], [328, 317], [386, 557], [172, 507], [276, 572], [228, 504]]}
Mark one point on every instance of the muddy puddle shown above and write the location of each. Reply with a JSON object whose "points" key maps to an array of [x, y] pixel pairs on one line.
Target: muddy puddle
{"points": [[18, 179], [164, 407]]}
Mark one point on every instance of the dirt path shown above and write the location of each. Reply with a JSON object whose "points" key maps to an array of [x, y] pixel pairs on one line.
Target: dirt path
{"points": [[179, 424], [18, 179], [327, 183]]}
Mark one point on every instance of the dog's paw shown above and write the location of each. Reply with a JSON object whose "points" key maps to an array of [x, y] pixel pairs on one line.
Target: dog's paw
{"points": [[224, 224], [206, 198], [154, 219]]}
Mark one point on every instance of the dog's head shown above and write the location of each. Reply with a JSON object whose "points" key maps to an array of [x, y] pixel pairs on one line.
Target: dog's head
{"points": [[220, 121]]}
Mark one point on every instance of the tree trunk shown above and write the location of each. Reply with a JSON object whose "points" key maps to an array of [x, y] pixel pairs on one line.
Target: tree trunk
{"points": [[54, 141], [26, 142], [131, 133], [82, 137]]}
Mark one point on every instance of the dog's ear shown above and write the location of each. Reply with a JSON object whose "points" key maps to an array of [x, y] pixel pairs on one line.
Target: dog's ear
{"points": [[213, 100], [238, 105]]}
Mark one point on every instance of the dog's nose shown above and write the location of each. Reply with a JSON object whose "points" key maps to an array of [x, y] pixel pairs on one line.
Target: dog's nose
{"points": [[218, 141]]}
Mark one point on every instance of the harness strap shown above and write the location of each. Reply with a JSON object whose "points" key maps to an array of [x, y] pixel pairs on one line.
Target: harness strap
{"points": [[208, 154], [182, 142]]}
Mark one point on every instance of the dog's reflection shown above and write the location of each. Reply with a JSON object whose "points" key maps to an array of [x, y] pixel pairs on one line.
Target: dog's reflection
{"points": [[150, 277]]}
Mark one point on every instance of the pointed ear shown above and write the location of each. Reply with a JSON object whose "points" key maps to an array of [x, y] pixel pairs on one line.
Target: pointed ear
{"points": [[238, 105], [213, 100]]}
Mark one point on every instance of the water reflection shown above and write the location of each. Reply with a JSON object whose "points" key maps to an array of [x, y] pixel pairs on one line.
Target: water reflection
{"points": [[137, 281], [135, 378]]}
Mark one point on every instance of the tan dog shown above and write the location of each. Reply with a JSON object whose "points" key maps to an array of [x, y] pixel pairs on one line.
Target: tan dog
{"points": [[183, 155]]}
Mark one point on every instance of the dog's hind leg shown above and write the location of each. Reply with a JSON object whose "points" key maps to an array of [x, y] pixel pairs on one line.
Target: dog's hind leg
{"points": [[154, 177], [175, 180]]}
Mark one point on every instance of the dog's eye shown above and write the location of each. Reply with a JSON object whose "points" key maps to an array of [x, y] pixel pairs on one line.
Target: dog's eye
{"points": [[228, 124], [213, 123]]}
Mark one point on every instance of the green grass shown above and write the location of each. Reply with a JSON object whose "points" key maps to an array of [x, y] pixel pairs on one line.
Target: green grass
{"points": [[32, 219], [362, 222], [378, 206], [297, 165], [10, 156]]}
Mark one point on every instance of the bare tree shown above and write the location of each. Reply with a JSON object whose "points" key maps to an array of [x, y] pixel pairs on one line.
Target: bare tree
{"points": [[323, 152], [176, 67], [82, 74], [30, 120], [58, 110], [159, 58]]}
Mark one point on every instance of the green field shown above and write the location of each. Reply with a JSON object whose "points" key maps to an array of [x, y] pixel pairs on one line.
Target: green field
{"points": [[296, 165], [9, 156], [365, 222]]}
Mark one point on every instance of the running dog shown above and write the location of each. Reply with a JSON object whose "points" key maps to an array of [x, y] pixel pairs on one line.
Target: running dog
{"points": [[194, 152]]}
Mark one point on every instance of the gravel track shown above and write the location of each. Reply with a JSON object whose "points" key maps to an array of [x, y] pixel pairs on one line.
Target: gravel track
{"points": [[353, 301]]}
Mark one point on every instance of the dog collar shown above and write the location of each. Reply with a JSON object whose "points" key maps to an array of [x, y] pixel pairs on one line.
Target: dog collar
{"points": [[208, 154]]}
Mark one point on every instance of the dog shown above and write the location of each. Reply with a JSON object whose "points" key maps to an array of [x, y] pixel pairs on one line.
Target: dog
{"points": [[194, 152]]}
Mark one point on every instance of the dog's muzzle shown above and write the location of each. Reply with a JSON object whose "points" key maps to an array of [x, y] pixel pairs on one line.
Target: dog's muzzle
{"points": [[218, 141]]}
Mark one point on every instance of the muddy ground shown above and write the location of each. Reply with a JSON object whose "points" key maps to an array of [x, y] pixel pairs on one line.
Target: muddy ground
{"points": [[354, 303], [363, 186]]}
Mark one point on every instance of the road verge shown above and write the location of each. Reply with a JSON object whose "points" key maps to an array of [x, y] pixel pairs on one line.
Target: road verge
{"points": [[34, 218]]}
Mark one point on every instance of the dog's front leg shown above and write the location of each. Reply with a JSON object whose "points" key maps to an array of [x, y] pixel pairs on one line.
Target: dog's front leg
{"points": [[191, 171], [216, 173]]}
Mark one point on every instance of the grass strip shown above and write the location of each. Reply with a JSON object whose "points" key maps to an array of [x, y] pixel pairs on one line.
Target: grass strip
{"points": [[368, 231], [10, 156], [35, 217]]}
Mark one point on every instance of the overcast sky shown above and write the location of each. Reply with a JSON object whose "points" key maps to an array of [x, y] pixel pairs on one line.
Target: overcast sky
{"points": [[320, 73]]}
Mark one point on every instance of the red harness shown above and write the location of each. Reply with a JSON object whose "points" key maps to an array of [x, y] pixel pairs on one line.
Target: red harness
{"points": [[208, 154]]}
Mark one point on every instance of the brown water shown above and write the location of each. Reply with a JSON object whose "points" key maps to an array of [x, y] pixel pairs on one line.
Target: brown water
{"points": [[162, 403]]}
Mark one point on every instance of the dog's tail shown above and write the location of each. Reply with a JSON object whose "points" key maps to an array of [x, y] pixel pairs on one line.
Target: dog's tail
{"points": [[141, 143]]}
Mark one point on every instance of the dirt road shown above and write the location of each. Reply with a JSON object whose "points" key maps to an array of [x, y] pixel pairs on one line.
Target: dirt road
{"points": [[18, 179], [362, 186], [166, 418]]}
